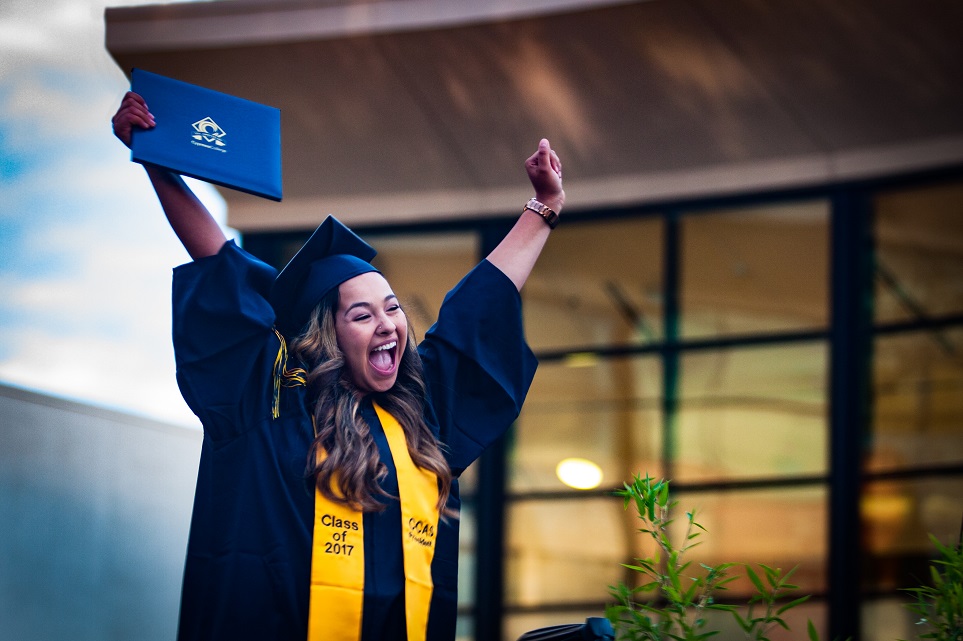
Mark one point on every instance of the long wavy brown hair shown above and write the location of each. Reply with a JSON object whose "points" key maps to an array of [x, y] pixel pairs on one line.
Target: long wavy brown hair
{"points": [[343, 451]]}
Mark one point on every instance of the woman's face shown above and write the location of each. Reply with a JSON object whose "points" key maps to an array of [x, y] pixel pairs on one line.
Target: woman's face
{"points": [[372, 331]]}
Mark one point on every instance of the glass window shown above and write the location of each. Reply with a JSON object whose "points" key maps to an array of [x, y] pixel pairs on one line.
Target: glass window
{"points": [[422, 268], [597, 284], [565, 551], [885, 619], [465, 627], [897, 518], [760, 269], [781, 528], [797, 620], [917, 400], [752, 412], [919, 253], [570, 551], [604, 410], [467, 546]]}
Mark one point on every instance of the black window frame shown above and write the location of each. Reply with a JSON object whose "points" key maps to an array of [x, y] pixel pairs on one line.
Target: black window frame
{"points": [[849, 335]]}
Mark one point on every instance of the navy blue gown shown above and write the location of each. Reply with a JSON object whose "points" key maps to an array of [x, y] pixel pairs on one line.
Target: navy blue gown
{"points": [[249, 553]]}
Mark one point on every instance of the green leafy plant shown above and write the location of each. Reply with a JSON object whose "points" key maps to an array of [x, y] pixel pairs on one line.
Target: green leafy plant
{"points": [[940, 605], [767, 597], [672, 600]]}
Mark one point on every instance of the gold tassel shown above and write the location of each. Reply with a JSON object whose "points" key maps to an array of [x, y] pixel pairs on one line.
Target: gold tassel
{"points": [[283, 376]]}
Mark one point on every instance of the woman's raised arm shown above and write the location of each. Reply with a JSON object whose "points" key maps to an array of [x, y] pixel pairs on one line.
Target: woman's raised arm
{"points": [[189, 218], [515, 256]]}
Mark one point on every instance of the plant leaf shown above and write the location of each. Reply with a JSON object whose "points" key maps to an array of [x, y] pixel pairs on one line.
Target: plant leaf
{"points": [[754, 578], [792, 604], [811, 629], [664, 495]]}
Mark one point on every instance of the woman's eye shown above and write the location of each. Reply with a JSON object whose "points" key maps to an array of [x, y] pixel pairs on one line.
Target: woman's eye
{"points": [[362, 317]]}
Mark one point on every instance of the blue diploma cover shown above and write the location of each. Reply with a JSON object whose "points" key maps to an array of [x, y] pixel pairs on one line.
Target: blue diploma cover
{"points": [[209, 135]]}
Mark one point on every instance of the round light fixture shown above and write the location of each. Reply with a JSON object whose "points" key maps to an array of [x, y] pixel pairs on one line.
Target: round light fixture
{"points": [[579, 473]]}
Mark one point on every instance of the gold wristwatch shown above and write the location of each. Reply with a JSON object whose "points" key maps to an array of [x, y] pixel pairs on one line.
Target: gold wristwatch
{"points": [[543, 210]]}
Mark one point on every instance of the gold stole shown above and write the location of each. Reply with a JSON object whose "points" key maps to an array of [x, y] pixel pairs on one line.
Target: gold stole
{"points": [[337, 557]]}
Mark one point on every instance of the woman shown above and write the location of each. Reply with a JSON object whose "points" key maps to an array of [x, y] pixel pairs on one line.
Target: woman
{"points": [[327, 495]]}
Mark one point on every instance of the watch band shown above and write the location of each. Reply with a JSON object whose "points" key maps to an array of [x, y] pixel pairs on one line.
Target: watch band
{"points": [[543, 210]]}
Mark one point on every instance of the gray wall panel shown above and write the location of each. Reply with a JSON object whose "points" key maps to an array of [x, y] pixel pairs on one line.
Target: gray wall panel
{"points": [[94, 512]]}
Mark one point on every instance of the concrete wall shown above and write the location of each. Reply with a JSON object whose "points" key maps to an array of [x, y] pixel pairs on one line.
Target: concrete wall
{"points": [[94, 513]]}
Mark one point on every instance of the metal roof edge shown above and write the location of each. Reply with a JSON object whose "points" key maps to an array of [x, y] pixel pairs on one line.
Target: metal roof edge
{"points": [[248, 214]]}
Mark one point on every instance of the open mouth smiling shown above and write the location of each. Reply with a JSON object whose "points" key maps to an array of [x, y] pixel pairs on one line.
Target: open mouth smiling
{"points": [[382, 358]]}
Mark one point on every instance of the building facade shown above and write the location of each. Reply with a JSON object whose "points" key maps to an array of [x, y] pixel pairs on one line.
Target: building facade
{"points": [[756, 290]]}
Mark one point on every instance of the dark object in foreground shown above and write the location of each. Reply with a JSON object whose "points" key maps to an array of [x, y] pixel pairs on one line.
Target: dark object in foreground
{"points": [[594, 629]]}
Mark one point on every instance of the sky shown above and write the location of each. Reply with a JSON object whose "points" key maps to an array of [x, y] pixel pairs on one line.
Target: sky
{"points": [[85, 252]]}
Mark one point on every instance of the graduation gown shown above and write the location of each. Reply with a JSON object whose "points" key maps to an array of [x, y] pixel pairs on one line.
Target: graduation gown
{"points": [[248, 561]]}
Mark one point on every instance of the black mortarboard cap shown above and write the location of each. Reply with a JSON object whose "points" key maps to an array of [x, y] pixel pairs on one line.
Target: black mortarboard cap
{"points": [[332, 255], [594, 629]]}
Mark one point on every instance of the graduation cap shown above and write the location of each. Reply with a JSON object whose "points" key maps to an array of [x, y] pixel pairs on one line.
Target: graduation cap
{"points": [[594, 629], [332, 255]]}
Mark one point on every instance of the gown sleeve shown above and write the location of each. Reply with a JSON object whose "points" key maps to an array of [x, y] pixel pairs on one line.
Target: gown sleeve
{"points": [[223, 338], [477, 365]]}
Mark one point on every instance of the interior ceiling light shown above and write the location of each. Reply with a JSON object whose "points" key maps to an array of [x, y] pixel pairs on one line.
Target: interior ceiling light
{"points": [[581, 359], [579, 473]]}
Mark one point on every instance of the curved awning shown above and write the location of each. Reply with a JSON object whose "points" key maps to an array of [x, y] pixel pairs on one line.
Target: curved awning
{"points": [[425, 109]]}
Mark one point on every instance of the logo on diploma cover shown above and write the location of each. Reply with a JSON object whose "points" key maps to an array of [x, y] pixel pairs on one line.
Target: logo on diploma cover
{"points": [[209, 134]]}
